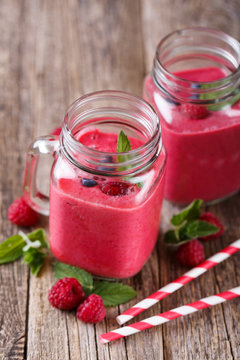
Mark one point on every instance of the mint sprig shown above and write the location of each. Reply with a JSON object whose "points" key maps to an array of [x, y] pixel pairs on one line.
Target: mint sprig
{"points": [[219, 104], [112, 293], [187, 225], [39, 235], [200, 228], [123, 143], [35, 260], [192, 212], [26, 245]]}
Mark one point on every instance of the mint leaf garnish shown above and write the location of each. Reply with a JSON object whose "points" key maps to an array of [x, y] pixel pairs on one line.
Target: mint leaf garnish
{"points": [[171, 238], [39, 235], [188, 226], [188, 231], [113, 293], [35, 259], [219, 104], [192, 212], [62, 270], [198, 228], [123, 144], [11, 249]]}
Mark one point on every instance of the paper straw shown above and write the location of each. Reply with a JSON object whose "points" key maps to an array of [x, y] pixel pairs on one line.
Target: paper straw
{"points": [[169, 315], [178, 283]]}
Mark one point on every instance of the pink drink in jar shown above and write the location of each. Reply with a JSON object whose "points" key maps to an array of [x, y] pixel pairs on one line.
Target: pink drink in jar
{"points": [[194, 87], [105, 206]]}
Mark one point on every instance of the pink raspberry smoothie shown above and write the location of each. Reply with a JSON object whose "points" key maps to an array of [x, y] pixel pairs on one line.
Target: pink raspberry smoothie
{"points": [[95, 228], [203, 153]]}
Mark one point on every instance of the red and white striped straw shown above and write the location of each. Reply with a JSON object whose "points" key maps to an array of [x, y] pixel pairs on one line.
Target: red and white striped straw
{"points": [[169, 315], [178, 283]]}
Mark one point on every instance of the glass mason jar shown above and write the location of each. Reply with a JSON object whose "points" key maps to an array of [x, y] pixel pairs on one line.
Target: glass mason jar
{"points": [[194, 87], [104, 206]]}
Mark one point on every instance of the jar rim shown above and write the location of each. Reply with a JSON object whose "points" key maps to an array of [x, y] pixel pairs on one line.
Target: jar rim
{"points": [[162, 74], [70, 144]]}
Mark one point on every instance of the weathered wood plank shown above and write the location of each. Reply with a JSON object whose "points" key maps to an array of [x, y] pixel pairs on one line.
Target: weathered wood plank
{"points": [[160, 17], [13, 277]]}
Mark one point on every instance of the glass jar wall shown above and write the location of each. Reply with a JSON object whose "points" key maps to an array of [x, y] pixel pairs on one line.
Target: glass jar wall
{"points": [[105, 206], [194, 87]]}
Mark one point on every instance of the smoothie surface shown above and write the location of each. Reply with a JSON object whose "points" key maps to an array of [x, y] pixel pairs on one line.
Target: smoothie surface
{"points": [[201, 74], [105, 142]]}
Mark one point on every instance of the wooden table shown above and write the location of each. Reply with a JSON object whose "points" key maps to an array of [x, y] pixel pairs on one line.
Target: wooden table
{"points": [[51, 53]]}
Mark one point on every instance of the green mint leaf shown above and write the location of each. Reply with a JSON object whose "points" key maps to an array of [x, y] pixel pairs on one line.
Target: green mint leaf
{"points": [[198, 228], [113, 293], [171, 238], [221, 105], [192, 212], [177, 236], [35, 259], [181, 233], [123, 144], [11, 249], [62, 270], [40, 235], [219, 94]]}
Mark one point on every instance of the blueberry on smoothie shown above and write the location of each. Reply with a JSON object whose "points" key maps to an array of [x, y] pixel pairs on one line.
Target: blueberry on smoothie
{"points": [[88, 182]]}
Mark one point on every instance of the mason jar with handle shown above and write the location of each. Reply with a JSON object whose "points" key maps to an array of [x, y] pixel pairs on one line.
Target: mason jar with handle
{"points": [[104, 205]]}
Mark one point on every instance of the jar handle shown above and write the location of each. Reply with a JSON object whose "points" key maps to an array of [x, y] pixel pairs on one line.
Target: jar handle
{"points": [[44, 145]]}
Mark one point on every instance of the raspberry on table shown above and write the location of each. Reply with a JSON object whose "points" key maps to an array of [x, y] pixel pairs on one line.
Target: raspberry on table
{"points": [[66, 294], [210, 218], [191, 253], [20, 213], [194, 111], [92, 310], [56, 131]]}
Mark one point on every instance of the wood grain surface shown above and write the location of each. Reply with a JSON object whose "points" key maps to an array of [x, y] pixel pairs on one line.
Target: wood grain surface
{"points": [[51, 52]]}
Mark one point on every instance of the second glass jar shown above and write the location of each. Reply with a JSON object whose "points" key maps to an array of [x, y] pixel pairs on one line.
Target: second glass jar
{"points": [[194, 87]]}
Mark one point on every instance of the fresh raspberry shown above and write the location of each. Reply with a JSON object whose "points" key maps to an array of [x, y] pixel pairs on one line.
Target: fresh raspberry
{"points": [[66, 294], [56, 131], [210, 218], [114, 188], [194, 111], [92, 310], [191, 253], [20, 213]]}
